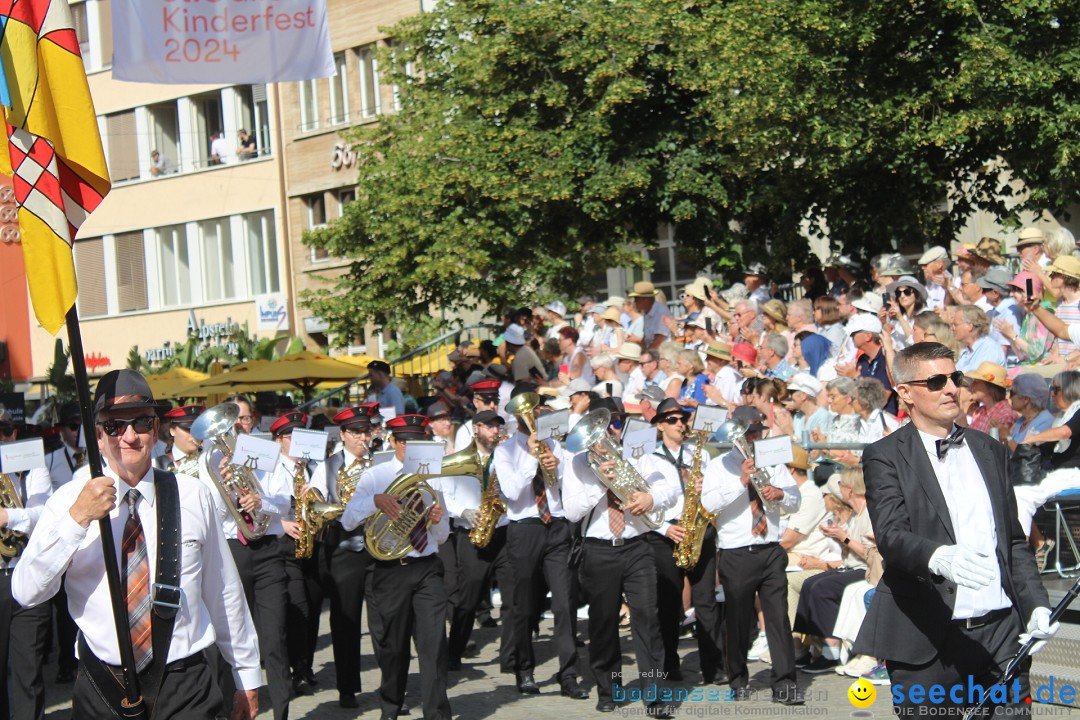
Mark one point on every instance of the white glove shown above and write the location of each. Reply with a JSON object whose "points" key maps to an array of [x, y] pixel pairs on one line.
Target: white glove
{"points": [[1039, 628], [469, 516], [963, 566]]}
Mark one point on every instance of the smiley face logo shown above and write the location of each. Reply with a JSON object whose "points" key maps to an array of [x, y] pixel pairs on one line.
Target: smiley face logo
{"points": [[862, 693]]}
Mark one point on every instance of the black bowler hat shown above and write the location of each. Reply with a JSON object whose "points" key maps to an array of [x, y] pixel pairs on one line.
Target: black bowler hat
{"points": [[354, 417], [69, 412], [669, 406], [408, 427], [184, 415], [288, 422], [121, 390]]}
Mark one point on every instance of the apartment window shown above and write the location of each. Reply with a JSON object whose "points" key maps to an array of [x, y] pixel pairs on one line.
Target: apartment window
{"points": [[164, 121], [174, 266], [123, 150], [339, 91], [131, 272], [316, 218], [217, 260], [262, 252], [309, 104], [82, 31], [261, 123], [104, 32], [344, 198], [90, 267], [369, 82], [396, 89], [208, 120]]}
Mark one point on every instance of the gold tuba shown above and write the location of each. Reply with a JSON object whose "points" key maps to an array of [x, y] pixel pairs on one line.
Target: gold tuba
{"points": [[11, 542], [388, 539], [695, 518], [217, 424], [522, 406], [312, 512], [590, 435]]}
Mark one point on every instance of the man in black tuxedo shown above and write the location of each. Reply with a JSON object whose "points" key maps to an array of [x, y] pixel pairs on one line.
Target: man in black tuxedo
{"points": [[960, 582]]}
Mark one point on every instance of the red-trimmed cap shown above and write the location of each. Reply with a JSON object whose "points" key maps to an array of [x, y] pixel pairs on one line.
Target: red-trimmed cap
{"points": [[437, 410], [408, 427], [287, 422], [372, 409], [486, 387], [185, 414], [353, 417]]}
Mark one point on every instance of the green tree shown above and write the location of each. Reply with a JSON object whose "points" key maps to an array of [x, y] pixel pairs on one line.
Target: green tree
{"points": [[542, 140]]}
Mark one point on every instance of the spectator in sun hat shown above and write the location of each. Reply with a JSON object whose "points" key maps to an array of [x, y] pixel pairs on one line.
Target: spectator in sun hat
{"points": [[1031, 247], [654, 331], [935, 264], [988, 252], [725, 381], [907, 298], [756, 278], [995, 287], [525, 364], [840, 270], [1033, 342], [556, 314]]}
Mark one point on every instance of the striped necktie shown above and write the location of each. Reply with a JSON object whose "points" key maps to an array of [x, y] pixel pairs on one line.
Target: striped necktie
{"points": [[136, 584], [616, 518]]}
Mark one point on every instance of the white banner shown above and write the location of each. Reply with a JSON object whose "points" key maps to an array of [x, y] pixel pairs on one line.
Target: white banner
{"points": [[220, 41], [272, 313]]}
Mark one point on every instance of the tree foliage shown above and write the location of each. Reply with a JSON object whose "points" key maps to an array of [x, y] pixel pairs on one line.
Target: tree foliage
{"points": [[544, 139]]}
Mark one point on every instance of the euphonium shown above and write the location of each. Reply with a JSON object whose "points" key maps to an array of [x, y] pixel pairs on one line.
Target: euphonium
{"points": [[217, 424], [312, 512], [695, 518], [11, 542], [347, 477], [734, 432], [388, 539], [522, 406], [487, 515], [591, 435]]}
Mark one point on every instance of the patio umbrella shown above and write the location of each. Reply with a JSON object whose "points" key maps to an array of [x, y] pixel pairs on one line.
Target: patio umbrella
{"points": [[171, 383], [302, 371]]}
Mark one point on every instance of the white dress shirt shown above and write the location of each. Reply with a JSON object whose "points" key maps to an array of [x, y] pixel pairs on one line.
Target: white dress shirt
{"points": [[464, 435], [375, 481], [34, 488], [285, 473], [683, 457], [61, 465], [584, 495], [516, 467], [212, 603], [729, 382], [723, 493], [968, 502], [275, 497]]}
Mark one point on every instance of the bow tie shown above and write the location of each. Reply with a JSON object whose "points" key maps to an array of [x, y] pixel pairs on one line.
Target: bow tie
{"points": [[955, 440]]}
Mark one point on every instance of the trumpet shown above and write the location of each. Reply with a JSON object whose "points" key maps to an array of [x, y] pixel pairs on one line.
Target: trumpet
{"points": [[522, 406], [391, 539], [734, 432], [12, 543], [591, 435], [216, 424]]}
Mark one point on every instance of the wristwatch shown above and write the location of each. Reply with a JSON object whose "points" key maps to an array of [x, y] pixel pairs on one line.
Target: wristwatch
{"points": [[847, 541]]}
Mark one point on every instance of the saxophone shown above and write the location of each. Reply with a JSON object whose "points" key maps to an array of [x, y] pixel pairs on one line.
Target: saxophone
{"points": [[312, 512], [348, 477], [695, 518], [487, 515], [11, 542]]}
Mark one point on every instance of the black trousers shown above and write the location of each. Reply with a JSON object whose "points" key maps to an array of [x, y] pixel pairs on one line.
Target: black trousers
{"points": [[746, 572], [819, 601], [66, 632], [448, 555], [411, 602], [979, 653], [345, 575], [475, 567], [304, 595], [533, 546], [23, 636], [669, 604], [262, 572], [607, 572], [187, 693]]}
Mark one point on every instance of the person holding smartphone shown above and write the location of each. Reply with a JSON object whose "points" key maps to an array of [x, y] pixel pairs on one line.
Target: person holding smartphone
{"points": [[1033, 343]]}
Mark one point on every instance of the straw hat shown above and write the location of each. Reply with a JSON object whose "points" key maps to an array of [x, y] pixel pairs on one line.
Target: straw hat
{"points": [[989, 372]]}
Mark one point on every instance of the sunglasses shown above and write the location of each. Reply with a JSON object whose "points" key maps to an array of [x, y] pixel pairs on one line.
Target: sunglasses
{"points": [[73, 427], [116, 427], [905, 291], [937, 382], [7, 429], [673, 419]]}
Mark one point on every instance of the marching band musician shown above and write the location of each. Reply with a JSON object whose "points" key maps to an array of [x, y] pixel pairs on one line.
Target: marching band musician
{"points": [[302, 578], [71, 455], [184, 446], [616, 561], [259, 562], [672, 421], [409, 594], [538, 539], [485, 396], [442, 426], [142, 505], [344, 563], [751, 561], [23, 630], [476, 565]]}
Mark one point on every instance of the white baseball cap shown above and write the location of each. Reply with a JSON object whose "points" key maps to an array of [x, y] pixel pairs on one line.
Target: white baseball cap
{"points": [[515, 334], [806, 383], [863, 322]]}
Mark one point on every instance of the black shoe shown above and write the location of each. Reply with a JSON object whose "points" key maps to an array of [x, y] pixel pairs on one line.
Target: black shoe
{"points": [[309, 675], [526, 685], [63, 677], [348, 700], [489, 622], [805, 659], [301, 687], [453, 665], [715, 678], [821, 664], [571, 689], [405, 709], [471, 650], [742, 694], [605, 706], [675, 676], [790, 695], [578, 642]]}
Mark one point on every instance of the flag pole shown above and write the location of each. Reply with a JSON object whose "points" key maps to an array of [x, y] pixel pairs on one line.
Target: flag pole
{"points": [[108, 544]]}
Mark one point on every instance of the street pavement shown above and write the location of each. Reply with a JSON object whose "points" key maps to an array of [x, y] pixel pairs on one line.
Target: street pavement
{"points": [[479, 691]]}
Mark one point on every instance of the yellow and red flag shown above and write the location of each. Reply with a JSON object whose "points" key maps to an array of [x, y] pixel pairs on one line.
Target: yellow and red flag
{"points": [[57, 162]]}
